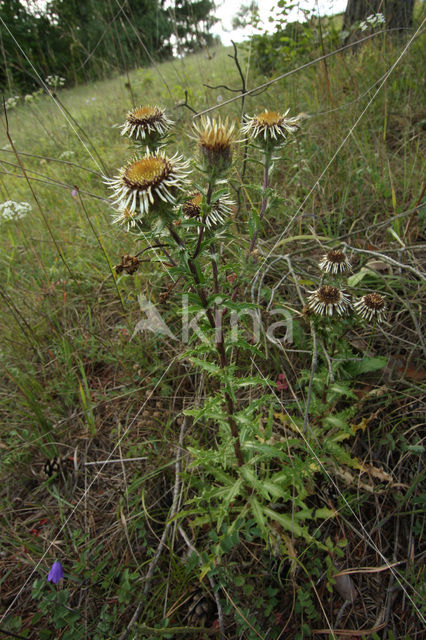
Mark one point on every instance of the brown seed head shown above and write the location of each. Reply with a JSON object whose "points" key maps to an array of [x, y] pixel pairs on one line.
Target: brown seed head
{"points": [[129, 264], [328, 294], [372, 306], [335, 261], [374, 301]]}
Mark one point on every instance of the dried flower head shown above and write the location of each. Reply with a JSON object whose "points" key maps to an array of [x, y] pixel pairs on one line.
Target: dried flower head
{"points": [[335, 261], [129, 264], [201, 608], [146, 122], [191, 208], [216, 138], [147, 182], [53, 465], [56, 573], [371, 307], [328, 300], [271, 127]]}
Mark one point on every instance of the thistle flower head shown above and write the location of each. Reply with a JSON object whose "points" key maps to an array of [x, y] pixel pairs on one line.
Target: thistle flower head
{"points": [[192, 207], [147, 183], [217, 213], [335, 261], [126, 218], [146, 123], [216, 138], [372, 306], [56, 573], [271, 127], [328, 300]]}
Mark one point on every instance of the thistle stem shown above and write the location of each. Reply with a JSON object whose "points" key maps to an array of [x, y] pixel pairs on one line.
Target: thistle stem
{"points": [[201, 232], [371, 338], [264, 202], [220, 345]]}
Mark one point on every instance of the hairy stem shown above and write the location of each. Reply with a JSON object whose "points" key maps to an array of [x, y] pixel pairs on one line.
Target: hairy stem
{"points": [[264, 202], [220, 344], [201, 232]]}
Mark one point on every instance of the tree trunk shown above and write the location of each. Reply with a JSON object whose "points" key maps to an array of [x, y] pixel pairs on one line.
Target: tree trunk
{"points": [[398, 13]]}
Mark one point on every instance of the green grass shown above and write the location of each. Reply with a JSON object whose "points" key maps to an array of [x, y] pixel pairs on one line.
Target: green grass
{"points": [[73, 384]]}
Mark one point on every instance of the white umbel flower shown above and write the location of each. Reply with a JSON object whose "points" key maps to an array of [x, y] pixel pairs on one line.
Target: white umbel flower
{"points": [[11, 210], [146, 182]]}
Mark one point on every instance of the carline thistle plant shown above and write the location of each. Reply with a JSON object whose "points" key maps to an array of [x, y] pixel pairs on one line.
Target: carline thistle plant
{"points": [[147, 125], [218, 213], [158, 195], [332, 299], [372, 306], [185, 211], [215, 139], [150, 189], [145, 122], [271, 128], [329, 300], [147, 182], [269, 132]]}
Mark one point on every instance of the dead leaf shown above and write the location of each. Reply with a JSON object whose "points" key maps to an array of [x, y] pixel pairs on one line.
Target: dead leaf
{"points": [[361, 426], [375, 472], [345, 587], [411, 373], [379, 266], [371, 392], [285, 421], [292, 554], [352, 481]]}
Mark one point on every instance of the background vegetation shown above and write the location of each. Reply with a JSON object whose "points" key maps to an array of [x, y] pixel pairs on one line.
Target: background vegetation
{"points": [[82, 41]]}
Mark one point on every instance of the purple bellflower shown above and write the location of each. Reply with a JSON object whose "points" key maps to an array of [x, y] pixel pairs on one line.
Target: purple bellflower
{"points": [[56, 572]]}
